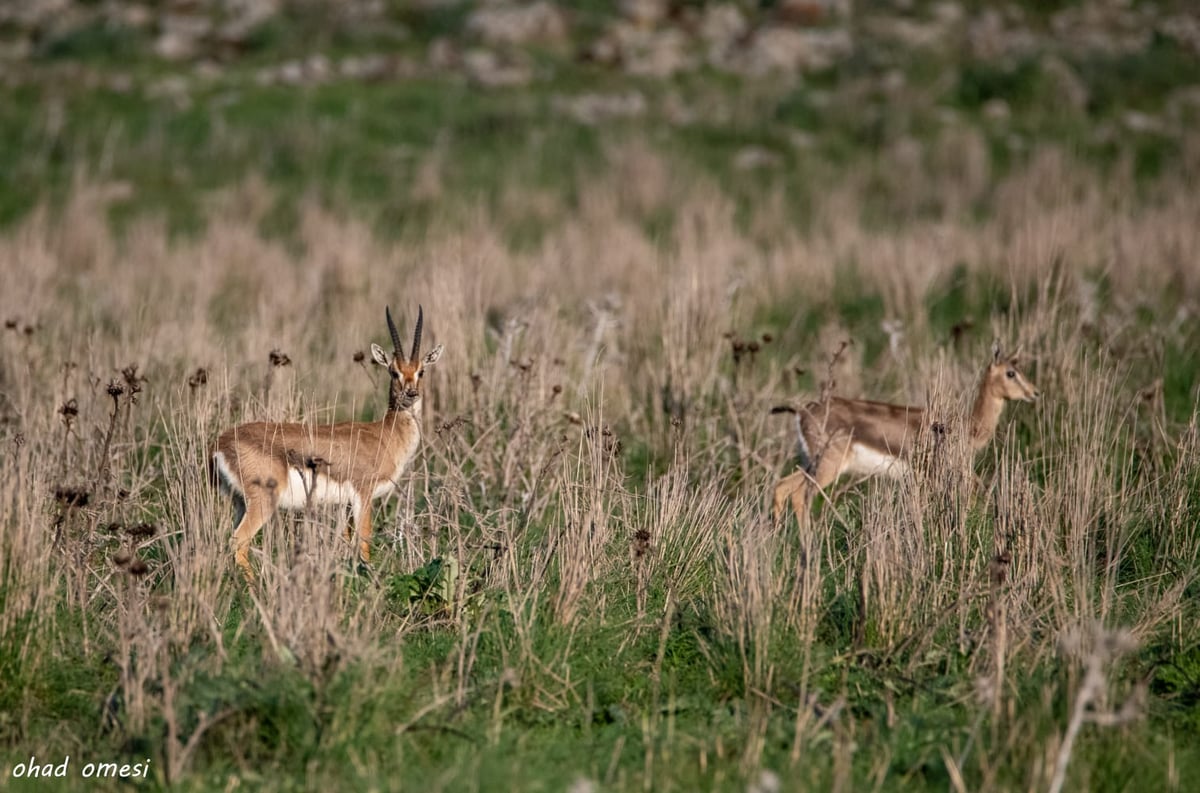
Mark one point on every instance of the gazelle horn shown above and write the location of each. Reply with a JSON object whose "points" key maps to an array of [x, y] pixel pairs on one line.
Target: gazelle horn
{"points": [[416, 348], [396, 345]]}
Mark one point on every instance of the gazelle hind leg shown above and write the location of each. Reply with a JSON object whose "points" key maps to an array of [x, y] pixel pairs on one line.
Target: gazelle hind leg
{"points": [[829, 468], [254, 509], [801, 486], [790, 487]]}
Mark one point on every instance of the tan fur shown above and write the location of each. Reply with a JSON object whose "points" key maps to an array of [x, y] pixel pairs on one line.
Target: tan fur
{"points": [[857, 436], [268, 465]]}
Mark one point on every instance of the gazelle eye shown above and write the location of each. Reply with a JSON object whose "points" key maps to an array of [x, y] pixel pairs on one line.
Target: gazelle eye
{"points": [[421, 373], [1011, 373]]}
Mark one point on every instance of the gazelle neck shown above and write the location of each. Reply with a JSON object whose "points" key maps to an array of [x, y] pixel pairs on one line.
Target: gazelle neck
{"points": [[985, 415]]}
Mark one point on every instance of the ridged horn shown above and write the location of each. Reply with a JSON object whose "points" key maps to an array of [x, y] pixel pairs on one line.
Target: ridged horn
{"points": [[416, 348], [396, 346]]}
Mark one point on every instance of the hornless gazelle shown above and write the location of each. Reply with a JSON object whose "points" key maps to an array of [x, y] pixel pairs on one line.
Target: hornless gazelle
{"points": [[858, 437], [267, 465]]}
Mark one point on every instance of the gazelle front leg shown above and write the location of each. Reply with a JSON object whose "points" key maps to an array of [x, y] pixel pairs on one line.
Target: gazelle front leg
{"points": [[362, 525]]}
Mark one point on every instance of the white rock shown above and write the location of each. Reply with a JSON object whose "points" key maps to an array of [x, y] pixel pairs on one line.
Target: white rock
{"points": [[512, 24]]}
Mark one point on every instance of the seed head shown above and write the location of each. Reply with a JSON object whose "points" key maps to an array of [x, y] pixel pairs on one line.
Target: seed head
{"points": [[641, 543], [132, 378], [72, 497], [142, 530]]}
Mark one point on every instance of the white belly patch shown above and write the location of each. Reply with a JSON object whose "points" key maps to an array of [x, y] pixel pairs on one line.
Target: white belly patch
{"points": [[301, 486], [865, 461]]}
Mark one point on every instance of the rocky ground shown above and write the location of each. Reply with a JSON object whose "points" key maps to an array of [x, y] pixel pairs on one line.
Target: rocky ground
{"points": [[498, 41]]}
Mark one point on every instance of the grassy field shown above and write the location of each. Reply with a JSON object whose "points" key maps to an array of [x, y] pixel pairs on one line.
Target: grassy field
{"points": [[580, 587]]}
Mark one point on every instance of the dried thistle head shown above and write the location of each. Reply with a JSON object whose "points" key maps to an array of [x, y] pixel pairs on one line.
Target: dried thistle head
{"points": [[960, 329], [641, 543], [142, 530], [133, 380], [278, 358], [198, 378], [69, 410], [71, 496]]}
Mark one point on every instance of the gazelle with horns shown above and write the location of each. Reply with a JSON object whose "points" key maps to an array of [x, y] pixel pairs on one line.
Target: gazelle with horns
{"points": [[268, 465], [863, 438]]}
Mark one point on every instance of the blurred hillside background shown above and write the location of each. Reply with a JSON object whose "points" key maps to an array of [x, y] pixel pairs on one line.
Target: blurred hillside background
{"points": [[394, 106]]}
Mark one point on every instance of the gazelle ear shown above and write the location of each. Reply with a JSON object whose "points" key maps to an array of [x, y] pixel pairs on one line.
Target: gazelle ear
{"points": [[433, 355], [379, 355], [1015, 356], [996, 351]]}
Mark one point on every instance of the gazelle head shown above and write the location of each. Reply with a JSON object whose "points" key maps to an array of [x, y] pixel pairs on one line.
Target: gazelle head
{"points": [[1003, 379], [406, 370]]}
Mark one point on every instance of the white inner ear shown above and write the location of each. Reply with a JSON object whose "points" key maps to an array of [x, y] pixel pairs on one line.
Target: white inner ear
{"points": [[379, 355], [434, 354]]}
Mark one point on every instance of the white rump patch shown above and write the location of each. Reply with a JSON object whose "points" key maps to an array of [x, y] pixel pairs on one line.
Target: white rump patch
{"points": [[226, 475]]}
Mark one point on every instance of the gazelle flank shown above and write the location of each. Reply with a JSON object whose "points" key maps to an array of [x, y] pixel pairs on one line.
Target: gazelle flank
{"points": [[268, 465], [857, 437]]}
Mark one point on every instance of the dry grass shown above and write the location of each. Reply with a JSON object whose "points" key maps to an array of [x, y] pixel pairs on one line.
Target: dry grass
{"points": [[596, 460]]}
